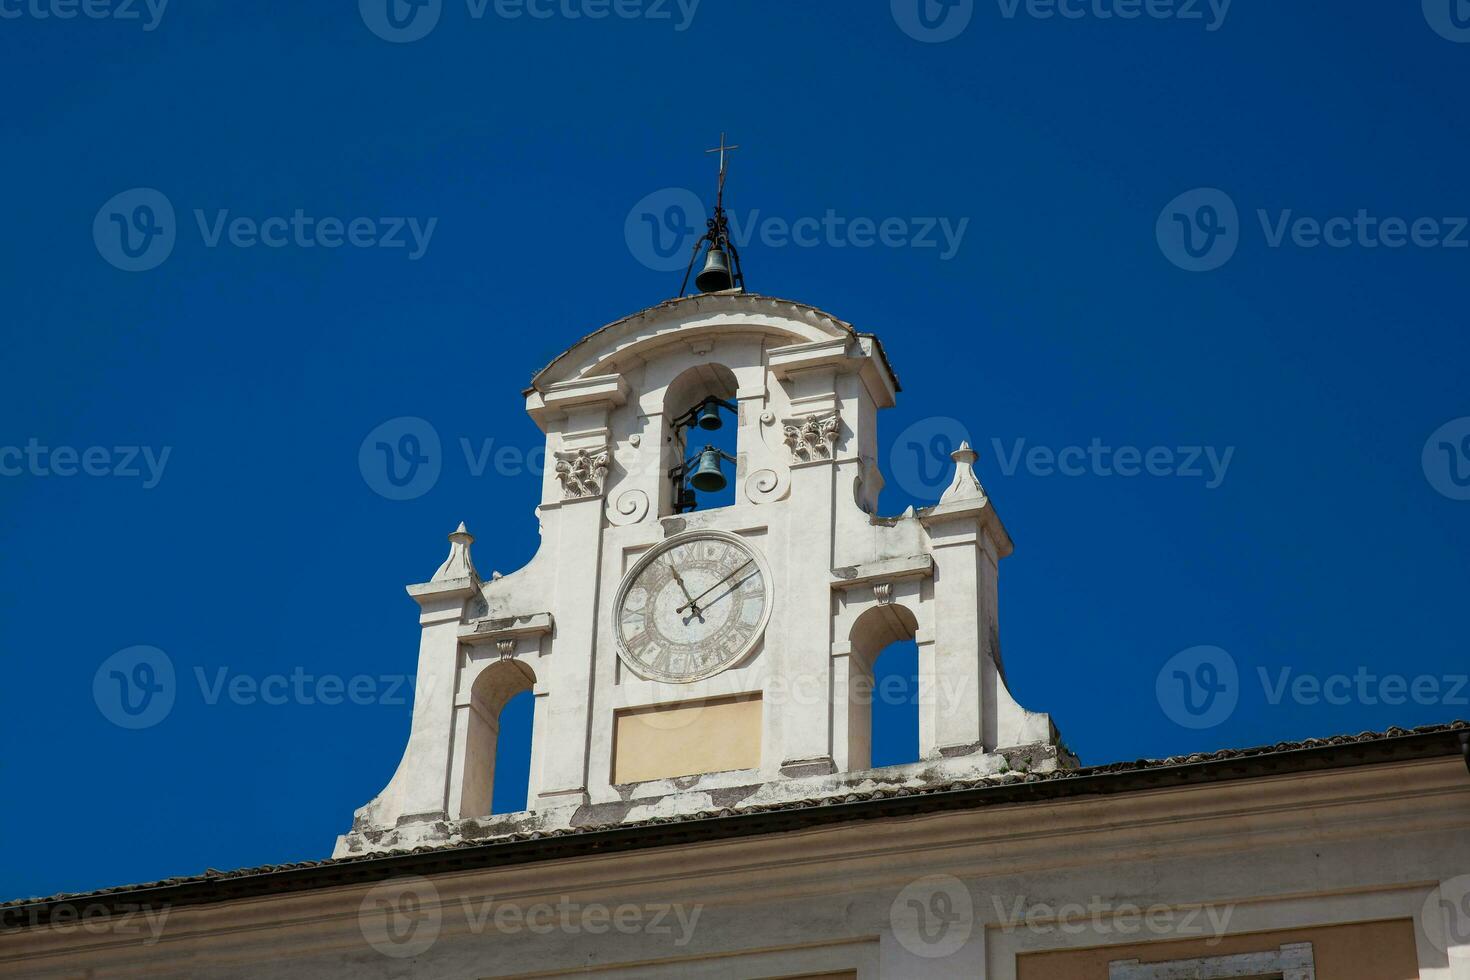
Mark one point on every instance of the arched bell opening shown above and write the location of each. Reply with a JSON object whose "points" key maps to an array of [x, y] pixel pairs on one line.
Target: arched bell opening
{"points": [[702, 440]]}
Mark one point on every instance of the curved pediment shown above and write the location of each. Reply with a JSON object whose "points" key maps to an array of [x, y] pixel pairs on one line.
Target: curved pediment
{"points": [[613, 348]]}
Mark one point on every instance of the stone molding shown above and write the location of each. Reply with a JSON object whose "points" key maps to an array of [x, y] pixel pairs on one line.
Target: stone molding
{"points": [[506, 628]]}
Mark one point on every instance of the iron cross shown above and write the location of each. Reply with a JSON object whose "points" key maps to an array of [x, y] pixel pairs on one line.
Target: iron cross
{"points": [[722, 149]]}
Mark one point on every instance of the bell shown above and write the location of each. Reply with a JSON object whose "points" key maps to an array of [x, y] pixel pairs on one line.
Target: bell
{"points": [[709, 417], [716, 275], [707, 476]]}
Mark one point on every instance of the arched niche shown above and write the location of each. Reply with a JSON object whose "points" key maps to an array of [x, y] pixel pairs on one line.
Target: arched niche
{"points": [[492, 689], [875, 631], [687, 390]]}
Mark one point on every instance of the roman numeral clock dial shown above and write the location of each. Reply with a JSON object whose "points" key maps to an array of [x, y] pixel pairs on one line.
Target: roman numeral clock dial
{"points": [[692, 606]]}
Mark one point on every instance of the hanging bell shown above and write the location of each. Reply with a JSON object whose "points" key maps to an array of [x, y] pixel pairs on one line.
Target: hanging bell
{"points": [[708, 477], [709, 417], [716, 275]]}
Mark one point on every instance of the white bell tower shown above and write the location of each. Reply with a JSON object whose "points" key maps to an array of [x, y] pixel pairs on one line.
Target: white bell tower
{"points": [[686, 661]]}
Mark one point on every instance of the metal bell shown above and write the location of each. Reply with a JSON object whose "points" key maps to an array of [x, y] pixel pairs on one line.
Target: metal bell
{"points": [[708, 477], [709, 417], [716, 275]]}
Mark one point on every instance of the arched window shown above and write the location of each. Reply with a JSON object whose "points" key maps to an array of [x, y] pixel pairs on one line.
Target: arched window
{"points": [[696, 400], [513, 754], [491, 693], [883, 709], [896, 704]]}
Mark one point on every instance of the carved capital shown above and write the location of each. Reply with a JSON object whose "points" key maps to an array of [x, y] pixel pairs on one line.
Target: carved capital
{"points": [[812, 437], [582, 473]]}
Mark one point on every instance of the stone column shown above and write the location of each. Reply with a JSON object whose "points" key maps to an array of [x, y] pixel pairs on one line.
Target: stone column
{"points": [[806, 623], [967, 542], [852, 711], [564, 713], [957, 715]]}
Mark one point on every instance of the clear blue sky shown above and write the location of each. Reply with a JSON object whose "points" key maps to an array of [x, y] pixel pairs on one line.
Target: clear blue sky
{"points": [[1064, 316]]}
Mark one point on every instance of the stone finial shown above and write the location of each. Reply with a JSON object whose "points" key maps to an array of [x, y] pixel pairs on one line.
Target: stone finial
{"points": [[459, 564], [966, 485]]}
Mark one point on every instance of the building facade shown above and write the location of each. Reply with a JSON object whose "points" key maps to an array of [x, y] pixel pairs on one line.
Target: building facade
{"points": [[702, 801]]}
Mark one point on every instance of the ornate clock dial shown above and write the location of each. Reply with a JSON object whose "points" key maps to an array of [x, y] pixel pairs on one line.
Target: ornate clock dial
{"points": [[692, 607]]}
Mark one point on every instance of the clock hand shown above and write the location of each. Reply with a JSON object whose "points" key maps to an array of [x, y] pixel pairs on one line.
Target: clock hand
{"points": [[716, 585], [685, 589]]}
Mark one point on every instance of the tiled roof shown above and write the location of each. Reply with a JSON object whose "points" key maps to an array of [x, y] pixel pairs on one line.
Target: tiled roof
{"points": [[1315, 753]]}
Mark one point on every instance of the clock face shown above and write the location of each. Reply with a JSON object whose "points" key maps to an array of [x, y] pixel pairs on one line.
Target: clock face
{"points": [[692, 607]]}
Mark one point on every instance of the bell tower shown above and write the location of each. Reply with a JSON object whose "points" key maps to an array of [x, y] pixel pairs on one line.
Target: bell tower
{"points": [[685, 658]]}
